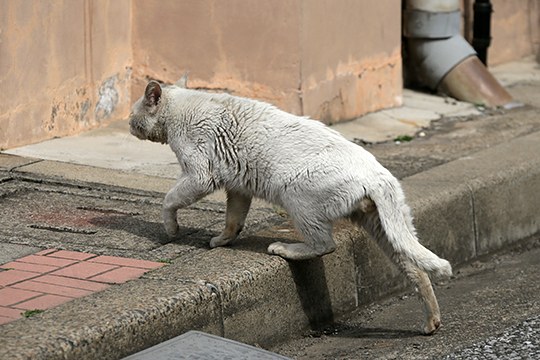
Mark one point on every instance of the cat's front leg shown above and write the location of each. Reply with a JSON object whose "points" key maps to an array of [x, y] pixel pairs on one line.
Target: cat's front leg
{"points": [[237, 209], [186, 191], [169, 222]]}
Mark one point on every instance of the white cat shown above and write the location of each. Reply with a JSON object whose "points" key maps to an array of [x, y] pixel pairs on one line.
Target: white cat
{"points": [[251, 148]]}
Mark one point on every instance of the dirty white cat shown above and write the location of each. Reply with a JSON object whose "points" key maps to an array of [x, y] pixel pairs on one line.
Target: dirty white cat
{"points": [[251, 148]]}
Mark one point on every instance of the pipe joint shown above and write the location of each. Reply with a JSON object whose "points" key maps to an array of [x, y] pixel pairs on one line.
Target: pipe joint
{"points": [[431, 25], [435, 58]]}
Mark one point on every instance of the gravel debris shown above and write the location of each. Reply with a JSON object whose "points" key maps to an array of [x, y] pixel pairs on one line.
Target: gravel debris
{"points": [[518, 342]]}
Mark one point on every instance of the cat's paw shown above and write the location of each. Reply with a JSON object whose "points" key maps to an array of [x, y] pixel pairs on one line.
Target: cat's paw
{"points": [[277, 248], [432, 326], [170, 223], [171, 228], [220, 240], [292, 251]]}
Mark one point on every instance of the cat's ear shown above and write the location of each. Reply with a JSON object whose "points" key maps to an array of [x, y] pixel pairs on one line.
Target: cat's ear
{"points": [[182, 83], [152, 94]]}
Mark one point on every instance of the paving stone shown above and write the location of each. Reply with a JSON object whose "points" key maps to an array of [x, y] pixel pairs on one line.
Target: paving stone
{"points": [[46, 252], [46, 260], [36, 268], [115, 260], [9, 312], [46, 290], [10, 296], [73, 255], [9, 277], [120, 275], [84, 270], [51, 289], [43, 302], [5, 319], [70, 282]]}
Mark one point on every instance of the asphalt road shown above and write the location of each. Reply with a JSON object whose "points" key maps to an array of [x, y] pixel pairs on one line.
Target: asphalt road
{"points": [[490, 310]]}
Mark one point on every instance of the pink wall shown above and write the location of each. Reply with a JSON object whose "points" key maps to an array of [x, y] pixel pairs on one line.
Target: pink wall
{"points": [[515, 29], [64, 67], [332, 60], [70, 65]]}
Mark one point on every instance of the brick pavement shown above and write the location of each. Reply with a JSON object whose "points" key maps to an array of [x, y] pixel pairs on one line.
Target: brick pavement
{"points": [[52, 277]]}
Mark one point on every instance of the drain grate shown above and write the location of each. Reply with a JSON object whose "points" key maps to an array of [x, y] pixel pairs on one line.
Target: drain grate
{"points": [[199, 345]]}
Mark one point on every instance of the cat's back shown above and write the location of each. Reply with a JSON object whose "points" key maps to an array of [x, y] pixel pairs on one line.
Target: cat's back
{"points": [[267, 130]]}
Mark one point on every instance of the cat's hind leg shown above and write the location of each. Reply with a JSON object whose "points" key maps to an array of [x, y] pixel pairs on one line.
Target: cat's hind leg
{"points": [[426, 295], [419, 278], [237, 209], [317, 237]]}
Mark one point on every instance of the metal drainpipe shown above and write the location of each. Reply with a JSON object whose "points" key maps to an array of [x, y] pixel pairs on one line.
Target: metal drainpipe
{"points": [[482, 28], [442, 59]]}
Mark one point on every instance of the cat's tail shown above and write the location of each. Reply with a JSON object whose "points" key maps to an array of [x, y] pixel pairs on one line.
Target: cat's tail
{"points": [[391, 226]]}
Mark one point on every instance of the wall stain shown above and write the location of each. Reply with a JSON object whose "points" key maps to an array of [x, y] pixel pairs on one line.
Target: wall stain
{"points": [[107, 98]]}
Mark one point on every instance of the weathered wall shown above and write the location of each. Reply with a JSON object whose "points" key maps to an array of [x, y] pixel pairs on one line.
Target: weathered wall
{"points": [[515, 29], [64, 67], [246, 47], [329, 59], [351, 57]]}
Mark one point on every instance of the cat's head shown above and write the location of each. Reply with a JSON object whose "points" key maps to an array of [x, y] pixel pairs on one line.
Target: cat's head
{"points": [[146, 119]]}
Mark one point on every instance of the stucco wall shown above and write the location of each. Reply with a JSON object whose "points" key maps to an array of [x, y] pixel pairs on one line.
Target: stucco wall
{"points": [[515, 29], [329, 59], [64, 67], [69, 65], [351, 57], [242, 46]]}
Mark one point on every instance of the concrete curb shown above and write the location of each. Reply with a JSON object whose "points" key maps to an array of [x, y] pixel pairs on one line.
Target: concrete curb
{"points": [[463, 209]]}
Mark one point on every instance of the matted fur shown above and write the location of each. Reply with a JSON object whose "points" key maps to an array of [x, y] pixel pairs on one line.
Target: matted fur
{"points": [[251, 148]]}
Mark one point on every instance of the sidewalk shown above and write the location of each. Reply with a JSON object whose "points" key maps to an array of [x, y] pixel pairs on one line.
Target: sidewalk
{"points": [[472, 179]]}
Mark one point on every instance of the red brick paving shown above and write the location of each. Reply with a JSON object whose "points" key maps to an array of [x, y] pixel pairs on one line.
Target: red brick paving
{"points": [[52, 289], [46, 301], [83, 270], [5, 320], [45, 260], [46, 252], [16, 265], [114, 260], [73, 255], [73, 283], [9, 312], [10, 296], [13, 276], [52, 277], [119, 275]]}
